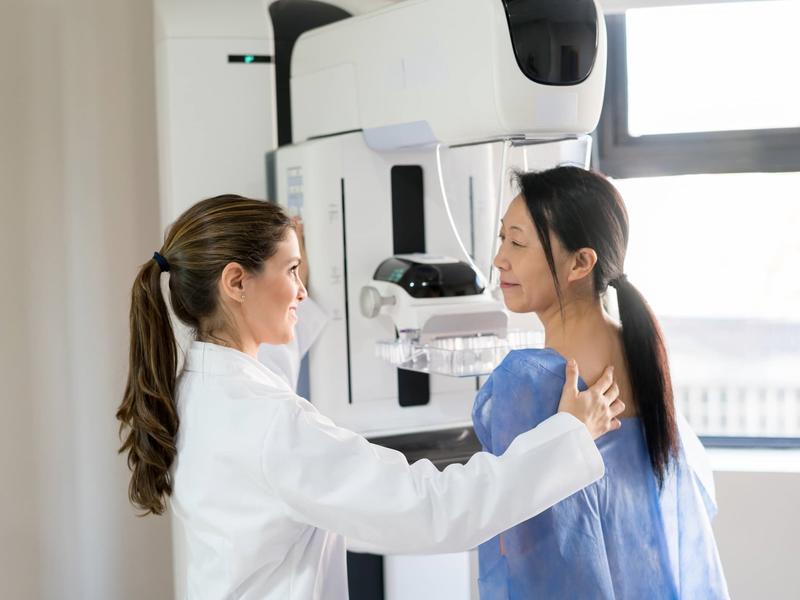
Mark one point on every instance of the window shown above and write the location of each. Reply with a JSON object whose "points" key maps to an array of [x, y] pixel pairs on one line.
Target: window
{"points": [[717, 258], [726, 67], [702, 138], [675, 104]]}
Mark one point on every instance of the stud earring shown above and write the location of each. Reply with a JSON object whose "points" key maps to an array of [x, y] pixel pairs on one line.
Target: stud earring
{"points": [[243, 298]]}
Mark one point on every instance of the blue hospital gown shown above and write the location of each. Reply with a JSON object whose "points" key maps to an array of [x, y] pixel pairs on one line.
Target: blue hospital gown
{"points": [[620, 538]]}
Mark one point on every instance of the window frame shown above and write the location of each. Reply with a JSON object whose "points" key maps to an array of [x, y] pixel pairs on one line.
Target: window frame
{"points": [[622, 156]]}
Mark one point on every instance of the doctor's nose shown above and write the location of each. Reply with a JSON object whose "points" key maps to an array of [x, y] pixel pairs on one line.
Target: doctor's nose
{"points": [[301, 292]]}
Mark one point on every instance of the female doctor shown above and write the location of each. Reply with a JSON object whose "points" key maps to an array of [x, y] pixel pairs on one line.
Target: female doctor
{"points": [[265, 491]]}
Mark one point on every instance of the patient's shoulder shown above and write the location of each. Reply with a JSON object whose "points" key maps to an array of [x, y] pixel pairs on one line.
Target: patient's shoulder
{"points": [[538, 363]]}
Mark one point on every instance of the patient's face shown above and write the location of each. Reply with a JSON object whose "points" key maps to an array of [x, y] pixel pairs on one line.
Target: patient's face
{"points": [[525, 277]]}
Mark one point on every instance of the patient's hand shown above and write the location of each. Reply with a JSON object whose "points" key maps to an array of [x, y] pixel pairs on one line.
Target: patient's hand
{"points": [[598, 406]]}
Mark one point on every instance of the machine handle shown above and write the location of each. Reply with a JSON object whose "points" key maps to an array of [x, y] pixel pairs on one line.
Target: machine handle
{"points": [[371, 301]]}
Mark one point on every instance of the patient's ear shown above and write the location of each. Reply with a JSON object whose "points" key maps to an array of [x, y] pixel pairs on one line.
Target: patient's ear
{"points": [[583, 262]]}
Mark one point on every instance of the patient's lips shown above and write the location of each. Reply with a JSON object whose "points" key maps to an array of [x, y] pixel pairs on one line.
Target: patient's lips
{"points": [[507, 284]]}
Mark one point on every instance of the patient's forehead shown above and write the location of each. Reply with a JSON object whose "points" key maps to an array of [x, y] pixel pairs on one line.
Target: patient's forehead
{"points": [[517, 217]]}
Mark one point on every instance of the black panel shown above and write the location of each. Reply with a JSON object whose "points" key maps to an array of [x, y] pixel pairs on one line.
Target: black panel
{"points": [[408, 235], [413, 388], [365, 576], [346, 299], [555, 41], [290, 19], [408, 209]]}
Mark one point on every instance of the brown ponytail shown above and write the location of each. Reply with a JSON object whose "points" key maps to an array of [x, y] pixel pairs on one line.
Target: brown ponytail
{"points": [[148, 406], [198, 246]]}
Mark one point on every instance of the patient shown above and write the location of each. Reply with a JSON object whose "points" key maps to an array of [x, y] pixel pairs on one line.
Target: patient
{"points": [[643, 531]]}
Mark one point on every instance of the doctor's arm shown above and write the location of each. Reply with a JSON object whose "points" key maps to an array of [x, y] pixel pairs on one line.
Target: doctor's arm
{"points": [[334, 479]]}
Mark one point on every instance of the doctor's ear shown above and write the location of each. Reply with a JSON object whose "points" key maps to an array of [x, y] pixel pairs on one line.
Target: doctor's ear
{"points": [[231, 282], [583, 261]]}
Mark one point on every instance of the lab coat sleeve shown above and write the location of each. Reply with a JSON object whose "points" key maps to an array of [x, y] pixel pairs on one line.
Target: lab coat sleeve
{"points": [[334, 479]]}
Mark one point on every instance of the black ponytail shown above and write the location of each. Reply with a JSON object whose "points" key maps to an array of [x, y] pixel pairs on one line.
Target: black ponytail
{"points": [[583, 210], [648, 369]]}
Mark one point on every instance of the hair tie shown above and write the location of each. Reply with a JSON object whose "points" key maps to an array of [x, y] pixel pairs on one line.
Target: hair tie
{"points": [[617, 281], [162, 262]]}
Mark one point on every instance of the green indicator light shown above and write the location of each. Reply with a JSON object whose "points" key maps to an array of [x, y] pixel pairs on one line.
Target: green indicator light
{"points": [[249, 58]]}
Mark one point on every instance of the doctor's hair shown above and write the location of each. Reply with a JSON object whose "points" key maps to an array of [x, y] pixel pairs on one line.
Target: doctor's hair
{"points": [[584, 210], [199, 244]]}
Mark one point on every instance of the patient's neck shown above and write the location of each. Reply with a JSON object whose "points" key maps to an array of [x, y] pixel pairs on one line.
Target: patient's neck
{"points": [[579, 323], [585, 332]]}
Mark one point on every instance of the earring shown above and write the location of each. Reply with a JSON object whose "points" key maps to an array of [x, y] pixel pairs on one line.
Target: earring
{"points": [[242, 298]]}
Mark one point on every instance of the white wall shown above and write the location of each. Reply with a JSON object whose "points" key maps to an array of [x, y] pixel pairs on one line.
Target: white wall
{"points": [[758, 533], [620, 6], [78, 213]]}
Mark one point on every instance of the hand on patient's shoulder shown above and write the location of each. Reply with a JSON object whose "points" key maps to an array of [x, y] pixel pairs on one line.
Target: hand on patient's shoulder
{"points": [[596, 407]]}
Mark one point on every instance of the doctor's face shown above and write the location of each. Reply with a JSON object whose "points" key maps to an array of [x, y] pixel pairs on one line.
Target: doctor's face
{"points": [[272, 296], [525, 277]]}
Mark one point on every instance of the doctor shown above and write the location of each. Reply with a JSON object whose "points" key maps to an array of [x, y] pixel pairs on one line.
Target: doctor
{"points": [[265, 490]]}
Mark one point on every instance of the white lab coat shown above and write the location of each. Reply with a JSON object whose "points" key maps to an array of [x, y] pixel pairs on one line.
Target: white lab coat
{"points": [[266, 489], [284, 360]]}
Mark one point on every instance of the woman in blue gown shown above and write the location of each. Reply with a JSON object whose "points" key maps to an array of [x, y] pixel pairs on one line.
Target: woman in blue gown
{"points": [[643, 531]]}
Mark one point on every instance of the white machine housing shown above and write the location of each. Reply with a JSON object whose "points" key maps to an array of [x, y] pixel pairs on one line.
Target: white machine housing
{"points": [[216, 118], [426, 71]]}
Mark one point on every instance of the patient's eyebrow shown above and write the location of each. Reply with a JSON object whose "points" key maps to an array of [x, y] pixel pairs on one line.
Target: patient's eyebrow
{"points": [[518, 228]]}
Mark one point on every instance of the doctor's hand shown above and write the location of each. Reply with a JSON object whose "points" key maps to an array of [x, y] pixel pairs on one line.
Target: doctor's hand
{"points": [[598, 406]]}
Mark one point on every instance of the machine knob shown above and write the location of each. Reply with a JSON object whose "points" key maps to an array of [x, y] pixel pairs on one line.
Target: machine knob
{"points": [[371, 301]]}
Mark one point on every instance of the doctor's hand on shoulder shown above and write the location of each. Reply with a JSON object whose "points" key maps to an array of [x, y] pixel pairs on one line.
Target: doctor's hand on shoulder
{"points": [[597, 407]]}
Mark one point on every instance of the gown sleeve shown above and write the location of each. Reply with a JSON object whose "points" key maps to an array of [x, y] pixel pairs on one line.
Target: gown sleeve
{"points": [[482, 414], [334, 479]]}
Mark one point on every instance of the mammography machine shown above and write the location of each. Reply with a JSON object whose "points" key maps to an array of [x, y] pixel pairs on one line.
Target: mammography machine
{"points": [[406, 123]]}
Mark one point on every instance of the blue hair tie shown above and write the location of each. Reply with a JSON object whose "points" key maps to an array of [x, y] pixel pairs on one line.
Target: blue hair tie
{"points": [[162, 262]]}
